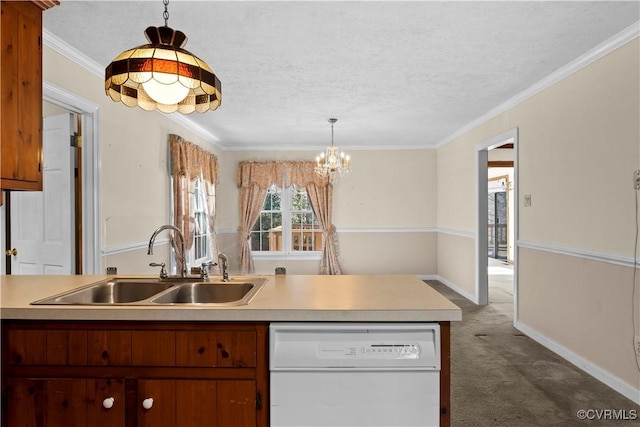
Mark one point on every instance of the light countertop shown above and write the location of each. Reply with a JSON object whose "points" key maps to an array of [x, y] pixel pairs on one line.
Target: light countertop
{"points": [[346, 298]]}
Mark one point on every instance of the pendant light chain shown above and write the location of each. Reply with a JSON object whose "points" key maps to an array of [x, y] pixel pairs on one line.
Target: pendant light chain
{"points": [[165, 15], [332, 134]]}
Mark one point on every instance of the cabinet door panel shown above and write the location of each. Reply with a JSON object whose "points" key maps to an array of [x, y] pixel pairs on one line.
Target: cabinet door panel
{"points": [[21, 88], [66, 403], [9, 85], [27, 347], [236, 349], [97, 392], [153, 348], [163, 411], [237, 403], [66, 347], [109, 348], [196, 403], [30, 99], [24, 403], [196, 348]]}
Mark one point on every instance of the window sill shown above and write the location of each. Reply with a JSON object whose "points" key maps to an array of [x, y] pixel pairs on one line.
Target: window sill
{"points": [[292, 256]]}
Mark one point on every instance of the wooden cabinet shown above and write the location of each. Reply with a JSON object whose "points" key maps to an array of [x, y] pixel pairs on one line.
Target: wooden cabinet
{"points": [[147, 374], [21, 94], [70, 402]]}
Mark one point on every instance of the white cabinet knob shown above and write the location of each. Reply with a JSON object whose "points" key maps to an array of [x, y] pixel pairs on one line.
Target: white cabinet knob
{"points": [[147, 403], [108, 403]]}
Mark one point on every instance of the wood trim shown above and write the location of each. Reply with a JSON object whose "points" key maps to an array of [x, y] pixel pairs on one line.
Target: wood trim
{"points": [[262, 373], [445, 374], [500, 164], [45, 4], [509, 145]]}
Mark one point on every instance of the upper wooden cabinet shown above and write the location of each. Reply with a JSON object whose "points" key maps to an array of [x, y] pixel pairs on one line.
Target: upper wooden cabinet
{"points": [[21, 94]]}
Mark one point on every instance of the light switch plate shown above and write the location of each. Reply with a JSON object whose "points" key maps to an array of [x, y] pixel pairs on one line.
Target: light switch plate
{"points": [[527, 200]]}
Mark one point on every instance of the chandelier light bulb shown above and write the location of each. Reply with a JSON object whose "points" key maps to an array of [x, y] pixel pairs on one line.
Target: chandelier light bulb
{"points": [[165, 93]]}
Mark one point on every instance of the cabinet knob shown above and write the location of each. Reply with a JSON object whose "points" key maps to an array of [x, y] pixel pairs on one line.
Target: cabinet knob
{"points": [[10, 252], [108, 403], [147, 403]]}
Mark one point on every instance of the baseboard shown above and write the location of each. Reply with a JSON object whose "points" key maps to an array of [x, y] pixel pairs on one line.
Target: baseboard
{"points": [[455, 288], [598, 373]]}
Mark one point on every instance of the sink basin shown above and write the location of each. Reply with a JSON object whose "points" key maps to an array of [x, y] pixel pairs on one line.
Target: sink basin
{"points": [[116, 291], [208, 293], [142, 291]]}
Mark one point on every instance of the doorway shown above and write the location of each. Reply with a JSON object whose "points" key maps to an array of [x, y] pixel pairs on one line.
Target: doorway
{"points": [[497, 225], [42, 225]]}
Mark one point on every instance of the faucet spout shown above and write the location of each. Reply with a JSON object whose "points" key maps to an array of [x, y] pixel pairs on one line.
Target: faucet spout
{"points": [[176, 232], [224, 267]]}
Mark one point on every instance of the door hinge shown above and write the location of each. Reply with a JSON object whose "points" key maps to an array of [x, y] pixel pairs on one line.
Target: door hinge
{"points": [[258, 400], [76, 140]]}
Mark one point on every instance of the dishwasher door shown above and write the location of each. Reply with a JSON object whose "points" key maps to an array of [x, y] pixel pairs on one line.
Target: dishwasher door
{"points": [[365, 374]]}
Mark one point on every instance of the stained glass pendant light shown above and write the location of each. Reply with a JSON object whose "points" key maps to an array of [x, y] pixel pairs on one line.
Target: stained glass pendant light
{"points": [[333, 162], [163, 76]]}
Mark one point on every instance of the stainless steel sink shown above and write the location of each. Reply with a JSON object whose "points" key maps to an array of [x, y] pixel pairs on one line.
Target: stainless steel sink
{"points": [[209, 293], [142, 291]]}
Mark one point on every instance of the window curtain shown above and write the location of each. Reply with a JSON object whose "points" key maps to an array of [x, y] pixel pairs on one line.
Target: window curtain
{"points": [[188, 162], [254, 179]]}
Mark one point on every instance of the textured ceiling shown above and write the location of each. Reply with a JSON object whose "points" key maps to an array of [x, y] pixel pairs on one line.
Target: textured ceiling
{"points": [[395, 74]]}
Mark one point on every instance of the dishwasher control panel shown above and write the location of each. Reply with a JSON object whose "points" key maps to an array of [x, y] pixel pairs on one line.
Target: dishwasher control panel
{"points": [[309, 346], [368, 351]]}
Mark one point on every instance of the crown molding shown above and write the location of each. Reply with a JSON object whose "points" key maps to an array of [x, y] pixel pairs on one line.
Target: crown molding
{"points": [[317, 148], [65, 49], [623, 37]]}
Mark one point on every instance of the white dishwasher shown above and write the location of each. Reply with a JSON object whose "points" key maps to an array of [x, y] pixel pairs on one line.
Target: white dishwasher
{"points": [[354, 374]]}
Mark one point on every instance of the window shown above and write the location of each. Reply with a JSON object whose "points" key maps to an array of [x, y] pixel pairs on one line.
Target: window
{"points": [[287, 223], [200, 249]]}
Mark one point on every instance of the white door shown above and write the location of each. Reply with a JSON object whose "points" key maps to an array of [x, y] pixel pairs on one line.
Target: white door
{"points": [[42, 222]]}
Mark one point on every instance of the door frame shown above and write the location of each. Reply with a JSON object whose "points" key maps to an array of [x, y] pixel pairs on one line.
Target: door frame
{"points": [[90, 113], [482, 240]]}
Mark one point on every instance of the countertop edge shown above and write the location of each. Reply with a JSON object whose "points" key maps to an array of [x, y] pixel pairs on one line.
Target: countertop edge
{"points": [[216, 315]]}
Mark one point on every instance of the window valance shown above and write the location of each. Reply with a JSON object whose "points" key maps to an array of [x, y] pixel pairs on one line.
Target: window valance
{"points": [[264, 174], [191, 161]]}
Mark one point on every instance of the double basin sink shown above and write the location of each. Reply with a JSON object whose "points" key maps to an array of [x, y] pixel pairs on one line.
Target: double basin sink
{"points": [[150, 292]]}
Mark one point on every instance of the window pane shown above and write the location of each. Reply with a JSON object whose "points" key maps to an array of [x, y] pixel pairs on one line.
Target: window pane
{"points": [[200, 250], [294, 230]]}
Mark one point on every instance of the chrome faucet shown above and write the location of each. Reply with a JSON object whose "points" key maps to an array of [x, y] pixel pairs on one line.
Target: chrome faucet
{"points": [[224, 267], [176, 232]]}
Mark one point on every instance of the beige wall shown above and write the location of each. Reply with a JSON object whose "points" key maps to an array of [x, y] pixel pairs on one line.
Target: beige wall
{"points": [[578, 147], [385, 221], [582, 305]]}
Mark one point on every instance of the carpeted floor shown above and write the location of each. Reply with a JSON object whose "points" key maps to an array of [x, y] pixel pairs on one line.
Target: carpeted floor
{"points": [[499, 377]]}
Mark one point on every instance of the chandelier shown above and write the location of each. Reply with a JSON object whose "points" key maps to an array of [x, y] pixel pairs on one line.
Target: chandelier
{"points": [[332, 162], [163, 76]]}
